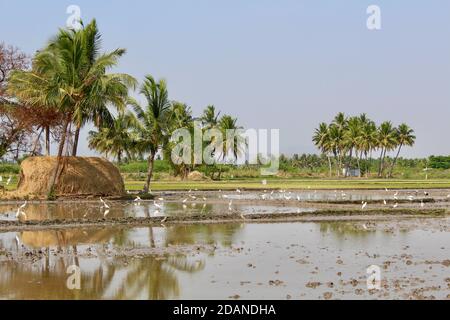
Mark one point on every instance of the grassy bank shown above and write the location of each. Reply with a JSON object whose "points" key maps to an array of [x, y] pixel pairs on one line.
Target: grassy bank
{"points": [[248, 177], [315, 184]]}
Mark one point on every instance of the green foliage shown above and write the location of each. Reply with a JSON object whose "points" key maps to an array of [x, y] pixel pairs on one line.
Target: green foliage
{"points": [[439, 162], [159, 166], [9, 168]]}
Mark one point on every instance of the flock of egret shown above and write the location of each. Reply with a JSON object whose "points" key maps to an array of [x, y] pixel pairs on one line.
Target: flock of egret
{"points": [[193, 199]]}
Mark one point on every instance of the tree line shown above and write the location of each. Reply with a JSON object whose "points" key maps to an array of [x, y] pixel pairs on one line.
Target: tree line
{"points": [[354, 140]]}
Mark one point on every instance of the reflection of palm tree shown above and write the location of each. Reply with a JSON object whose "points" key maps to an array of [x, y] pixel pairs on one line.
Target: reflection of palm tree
{"points": [[203, 233], [155, 278], [342, 229]]}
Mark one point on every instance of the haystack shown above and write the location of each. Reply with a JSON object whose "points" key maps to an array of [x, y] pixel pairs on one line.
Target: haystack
{"points": [[79, 177], [197, 176]]}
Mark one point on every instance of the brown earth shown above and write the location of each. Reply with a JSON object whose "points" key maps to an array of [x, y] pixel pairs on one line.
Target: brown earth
{"points": [[80, 176]]}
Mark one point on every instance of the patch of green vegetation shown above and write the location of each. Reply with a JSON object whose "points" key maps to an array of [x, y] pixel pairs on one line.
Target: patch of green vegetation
{"points": [[439, 162], [314, 184], [141, 167], [8, 168]]}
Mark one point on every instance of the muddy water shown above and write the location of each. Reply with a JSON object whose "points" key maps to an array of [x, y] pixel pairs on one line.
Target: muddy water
{"points": [[241, 261], [120, 209], [334, 195]]}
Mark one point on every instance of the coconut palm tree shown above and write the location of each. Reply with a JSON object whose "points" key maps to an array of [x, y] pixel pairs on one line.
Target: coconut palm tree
{"points": [[153, 120], [210, 118], [232, 139], [338, 128], [180, 118], [368, 142], [352, 135], [116, 139], [404, 137], [322, 139], [71, 75], [386, 142]]}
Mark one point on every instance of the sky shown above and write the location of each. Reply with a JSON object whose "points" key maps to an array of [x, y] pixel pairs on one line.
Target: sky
{"points": [[285, 65]]}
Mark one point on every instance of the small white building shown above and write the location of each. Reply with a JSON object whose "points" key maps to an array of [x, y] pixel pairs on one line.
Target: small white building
{"points": [[352, 172]]}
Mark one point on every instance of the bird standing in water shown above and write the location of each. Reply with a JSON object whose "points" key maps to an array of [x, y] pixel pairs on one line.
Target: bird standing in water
{"points": [[104, 204], [20, 210]]}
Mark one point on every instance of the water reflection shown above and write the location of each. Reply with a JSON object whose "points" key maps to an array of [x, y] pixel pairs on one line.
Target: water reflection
{"points": [[37, 272], [114, 264], [92, 210]]}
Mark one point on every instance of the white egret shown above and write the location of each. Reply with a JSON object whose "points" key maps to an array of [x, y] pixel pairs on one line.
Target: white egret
{"points": [[104, 204], [156, 204], [364, 205], [19, 210]]}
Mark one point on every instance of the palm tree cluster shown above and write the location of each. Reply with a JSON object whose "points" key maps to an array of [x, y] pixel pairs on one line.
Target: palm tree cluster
{"points": [[147, 129], [347, 141]]}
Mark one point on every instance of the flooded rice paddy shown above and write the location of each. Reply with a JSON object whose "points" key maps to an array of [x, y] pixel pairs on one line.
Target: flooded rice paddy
{"points": [[239, 260]]}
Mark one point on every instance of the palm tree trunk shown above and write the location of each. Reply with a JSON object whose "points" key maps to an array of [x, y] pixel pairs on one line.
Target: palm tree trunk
{"points": [[329, 165], [395, 160], [382, 163], [60, 152], [358, 163], [347, 166], [339, 168], [151, 159], [47, 141], [380, 167], [361, 155], [75, 142]]}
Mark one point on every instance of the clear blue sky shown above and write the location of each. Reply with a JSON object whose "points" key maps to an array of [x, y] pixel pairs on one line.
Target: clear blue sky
{"points": [[275, 64]]}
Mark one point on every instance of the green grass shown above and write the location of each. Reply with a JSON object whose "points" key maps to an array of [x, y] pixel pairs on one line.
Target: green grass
{"points": [[134, 175], [274, 183], [291, 184], [6, 168]]}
